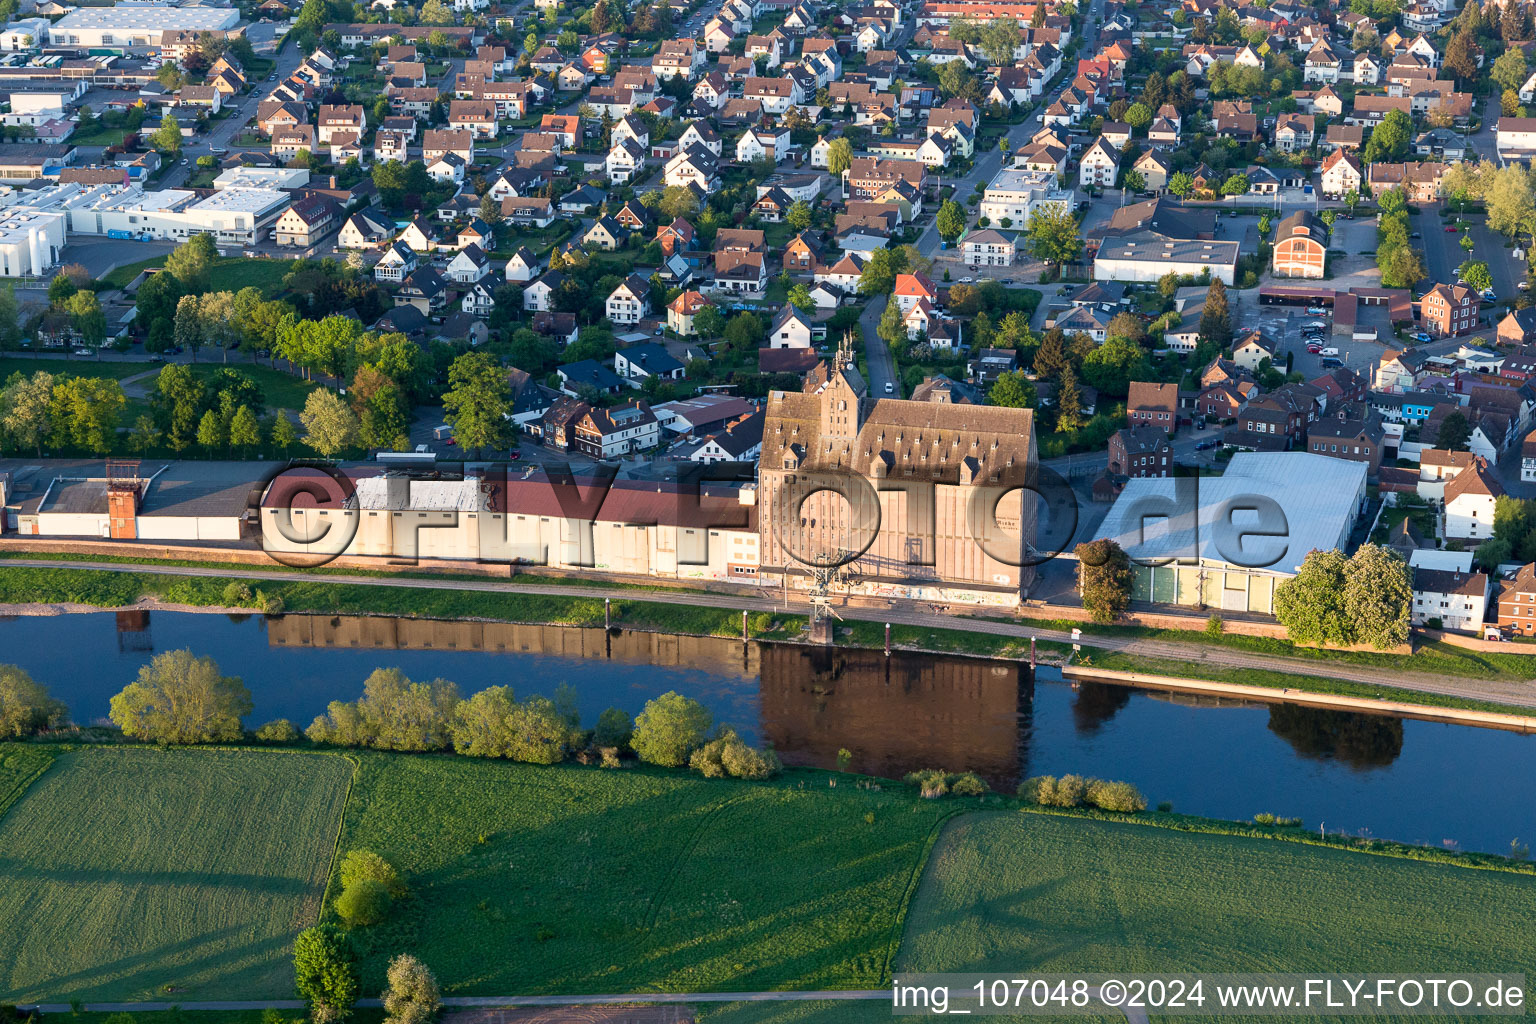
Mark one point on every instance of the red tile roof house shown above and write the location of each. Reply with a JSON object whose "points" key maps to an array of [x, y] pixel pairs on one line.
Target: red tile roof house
{"points": [[1153, 405]]}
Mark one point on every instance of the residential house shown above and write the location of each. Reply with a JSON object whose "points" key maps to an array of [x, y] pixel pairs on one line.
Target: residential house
{"points": [[1153, 405]]}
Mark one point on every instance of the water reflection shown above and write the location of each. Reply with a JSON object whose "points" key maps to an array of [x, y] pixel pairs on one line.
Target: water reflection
{"points": [[1096, 704], [898, 713], [1361, 741]]}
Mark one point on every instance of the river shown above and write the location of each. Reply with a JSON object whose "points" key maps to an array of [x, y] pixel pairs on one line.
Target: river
{"points": [[1422, 782]]}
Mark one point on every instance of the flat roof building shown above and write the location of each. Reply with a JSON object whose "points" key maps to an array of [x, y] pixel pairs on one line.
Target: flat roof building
{"points": [[1225, 542], [234, 216], [136, 26]]}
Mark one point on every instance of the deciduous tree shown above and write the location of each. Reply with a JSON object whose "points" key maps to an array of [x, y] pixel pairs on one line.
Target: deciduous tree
{"points": [[325, 968], [413, 996], [330, 425], [1051, 235], [1104, 579], [181, 698], [670, 728], [25, 706], [477, 400]]}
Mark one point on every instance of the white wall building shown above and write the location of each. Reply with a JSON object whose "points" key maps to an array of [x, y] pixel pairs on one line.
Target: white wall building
{"points": [[234, 216], [1015, 193], [136, 25]]}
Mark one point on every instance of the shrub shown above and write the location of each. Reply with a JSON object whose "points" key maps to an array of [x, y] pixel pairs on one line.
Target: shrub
{"points": [[709, 760], [744, 762], [1116, 796], [610, 756], [1049, 791], [279, 731], [932, 783], [1069, 790], [364, 903], [1265, 818], [729, 754], [358, 865], [1166, 807], [237, 595], [1214, 626], [969, 784], [614, 729], [269, 604]]}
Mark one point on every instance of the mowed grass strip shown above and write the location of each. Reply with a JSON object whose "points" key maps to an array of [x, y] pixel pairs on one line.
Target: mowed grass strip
{"points": [[568, 880], [127, 870], [1031, 893]]}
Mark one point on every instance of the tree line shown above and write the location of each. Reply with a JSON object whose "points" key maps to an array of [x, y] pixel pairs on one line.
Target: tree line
{"points": [[182, 698]]}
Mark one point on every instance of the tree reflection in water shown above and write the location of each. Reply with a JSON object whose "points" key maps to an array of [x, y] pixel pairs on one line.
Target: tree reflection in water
{"points": [[1095, 704], [1358, 740]]}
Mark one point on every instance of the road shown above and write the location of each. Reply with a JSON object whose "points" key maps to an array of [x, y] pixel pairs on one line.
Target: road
{"points": [[882, 369], [1522, 693], [1133, 1015], [877, 354], [986, 165]]}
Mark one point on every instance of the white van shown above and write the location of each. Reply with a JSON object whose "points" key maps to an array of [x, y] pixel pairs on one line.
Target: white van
{"points": [[1330, 351]]}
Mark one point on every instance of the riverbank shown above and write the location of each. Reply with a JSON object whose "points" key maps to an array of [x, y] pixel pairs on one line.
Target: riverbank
{"points": [[1521, 723], [111, 586]]}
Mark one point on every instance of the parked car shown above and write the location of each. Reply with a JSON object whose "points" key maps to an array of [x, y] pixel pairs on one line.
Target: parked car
{"points": [[1208, 443], [1314, 349], [1451, 229], [1332, 363], [1317, 311], [1524, 286], [890, 389], [1422, 336]]}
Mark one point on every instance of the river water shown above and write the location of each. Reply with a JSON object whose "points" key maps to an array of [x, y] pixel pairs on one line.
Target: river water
{"points": [[1421, 782]]}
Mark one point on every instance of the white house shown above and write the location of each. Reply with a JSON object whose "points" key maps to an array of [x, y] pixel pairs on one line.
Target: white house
{"points": [[1446, 592], [1099, 165], [1469, 501], [791, 329], [630, 301]]}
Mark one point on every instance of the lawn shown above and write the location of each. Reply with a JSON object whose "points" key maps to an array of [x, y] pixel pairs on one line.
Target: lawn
{"points": [[282, 390], [118, 369], [1036, 893], [540, 880], [135, 873], [228, 273]]}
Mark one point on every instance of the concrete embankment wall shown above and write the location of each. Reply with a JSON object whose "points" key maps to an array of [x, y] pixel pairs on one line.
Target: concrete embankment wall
{"points": [[1340, 702]]}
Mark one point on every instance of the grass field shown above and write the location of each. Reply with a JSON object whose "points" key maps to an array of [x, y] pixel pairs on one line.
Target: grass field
{"points": [[1039, 893], [574, 880], [282, 389], [229, 273], [116, 369], [135, 873]]}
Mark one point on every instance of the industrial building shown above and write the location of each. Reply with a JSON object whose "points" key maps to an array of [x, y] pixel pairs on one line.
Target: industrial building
{"points": [[644, 528], [33, 229], [128, 500], [233, 216], [135, 26], [926, 496], [1225, 542]]}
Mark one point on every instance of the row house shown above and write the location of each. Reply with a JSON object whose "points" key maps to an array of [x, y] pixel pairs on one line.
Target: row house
{"points": [[1419, 181], [474, 116], [776, 95]]}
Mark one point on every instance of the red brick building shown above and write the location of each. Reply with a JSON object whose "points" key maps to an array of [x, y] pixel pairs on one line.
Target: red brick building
{"points": [[1140, 451], [1448, 310], [1153, 405]]}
